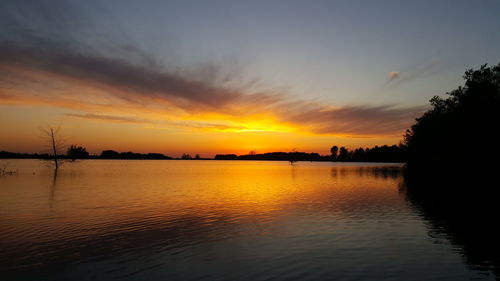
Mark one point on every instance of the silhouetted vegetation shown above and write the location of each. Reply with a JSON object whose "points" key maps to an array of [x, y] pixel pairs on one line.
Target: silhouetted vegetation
{"points": [[14, 155], [283, 156], [105, 154], [292, 159], [450, 148], [390, 154], [77, 152], [334, 151], [459, 132], [111, 154], [226, 157], [55, 145], [186, 156]]}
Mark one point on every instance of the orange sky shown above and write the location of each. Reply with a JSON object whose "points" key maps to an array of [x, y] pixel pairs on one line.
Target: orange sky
{"points": [[22, 126], [154, 111]]}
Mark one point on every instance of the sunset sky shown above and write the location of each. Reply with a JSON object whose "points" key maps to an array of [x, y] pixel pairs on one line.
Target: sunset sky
{"points": [[213, 77]]}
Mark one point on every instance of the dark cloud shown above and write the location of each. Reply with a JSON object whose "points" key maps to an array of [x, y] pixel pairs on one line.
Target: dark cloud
{"points": [[357, 120], [135, 82]]}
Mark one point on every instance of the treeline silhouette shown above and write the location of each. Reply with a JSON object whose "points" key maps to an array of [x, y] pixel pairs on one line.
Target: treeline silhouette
{"points": [[458, 135], [15, 155], [390, 154], [111, 154], [80, 153], [283, 156], [452, 150], [385, 153]]}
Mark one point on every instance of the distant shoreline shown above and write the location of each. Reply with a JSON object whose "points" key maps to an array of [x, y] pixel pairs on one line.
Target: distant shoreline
{"points": [[271, 156], [193, 159]]}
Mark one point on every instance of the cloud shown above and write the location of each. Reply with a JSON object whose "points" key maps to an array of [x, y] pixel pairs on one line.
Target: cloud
{"points": [[158, 124], [41, 61], [393, 75], [388, 120], [102, 117], [134, 83], [422, 70]]}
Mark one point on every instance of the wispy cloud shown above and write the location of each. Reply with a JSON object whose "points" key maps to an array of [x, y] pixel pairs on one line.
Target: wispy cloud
{"points": [[426, 69], [388, 120], [107, 118], [157, 124]]}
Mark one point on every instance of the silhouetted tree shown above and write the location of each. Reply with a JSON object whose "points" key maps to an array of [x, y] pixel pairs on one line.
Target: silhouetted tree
{"points": [[55, 144], [75, 152], [186, 156], [468, 118], [334, 151], [358, 155], [226, 157], [109, 154], [197, 156], [343, 154]]}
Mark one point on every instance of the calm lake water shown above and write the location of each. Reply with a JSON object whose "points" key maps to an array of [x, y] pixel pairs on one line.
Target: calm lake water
{"points": [[219, 220]]}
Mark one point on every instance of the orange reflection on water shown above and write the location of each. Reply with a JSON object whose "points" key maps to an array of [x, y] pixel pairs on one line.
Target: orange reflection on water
{"points": [[90, 193]]}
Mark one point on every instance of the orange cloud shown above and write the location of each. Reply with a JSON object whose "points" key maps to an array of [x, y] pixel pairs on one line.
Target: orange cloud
{"points": [[115, 91]]}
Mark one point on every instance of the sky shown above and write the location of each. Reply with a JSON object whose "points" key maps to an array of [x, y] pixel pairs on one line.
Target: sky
{"points": [[215, 77]]}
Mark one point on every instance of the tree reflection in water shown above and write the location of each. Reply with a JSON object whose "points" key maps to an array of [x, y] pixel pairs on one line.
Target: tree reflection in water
{"points": [[462, 209]]}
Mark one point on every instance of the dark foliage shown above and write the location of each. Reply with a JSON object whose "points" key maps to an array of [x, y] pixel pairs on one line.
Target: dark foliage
{"points": [[105, 154], [111, 154], [14, 155], [334, 151], [186, 156], [77, 152], [391, 154], [282, 156], [226, 157], [295, 156], [458, 133]]}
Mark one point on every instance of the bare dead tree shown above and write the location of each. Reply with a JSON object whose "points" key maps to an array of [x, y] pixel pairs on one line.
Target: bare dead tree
{"points": [[53, 138], [55, 145]]}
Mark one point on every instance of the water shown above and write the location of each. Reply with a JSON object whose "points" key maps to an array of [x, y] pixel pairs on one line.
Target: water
{"points": [[219, 220]]}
